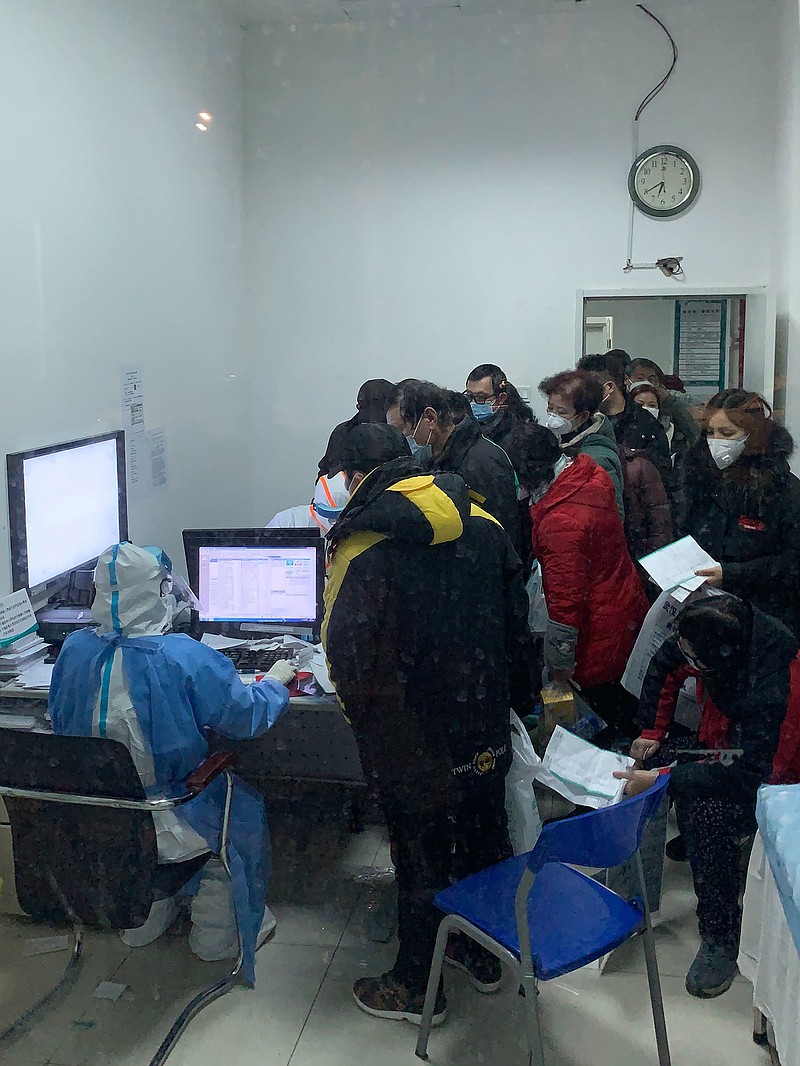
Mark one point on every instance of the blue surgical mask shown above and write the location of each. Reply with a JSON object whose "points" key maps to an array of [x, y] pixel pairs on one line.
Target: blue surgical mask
{"points": [[421, 452], [482, 412]]}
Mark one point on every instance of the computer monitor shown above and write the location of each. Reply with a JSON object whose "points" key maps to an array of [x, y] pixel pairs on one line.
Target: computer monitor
{"points": [[251, 581], [66, 504]]}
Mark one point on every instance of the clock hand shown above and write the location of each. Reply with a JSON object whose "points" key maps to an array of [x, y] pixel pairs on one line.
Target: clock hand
{"points": [[647, 191]]}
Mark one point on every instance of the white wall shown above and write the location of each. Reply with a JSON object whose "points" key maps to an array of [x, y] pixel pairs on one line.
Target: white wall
{"points": [[787, 234], [429, 194], [120, 240], [645, 328]]}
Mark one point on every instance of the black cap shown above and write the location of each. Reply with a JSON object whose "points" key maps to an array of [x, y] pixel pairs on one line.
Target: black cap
{"points": [[371, 445]]}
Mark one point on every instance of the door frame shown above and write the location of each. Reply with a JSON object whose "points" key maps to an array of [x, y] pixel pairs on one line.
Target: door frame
{"points": [[760, 330]]}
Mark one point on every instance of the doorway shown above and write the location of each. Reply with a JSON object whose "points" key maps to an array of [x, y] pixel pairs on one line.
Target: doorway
{"points": [[711, 340]]}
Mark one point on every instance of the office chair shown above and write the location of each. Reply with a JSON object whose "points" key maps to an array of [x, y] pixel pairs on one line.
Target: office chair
{"points": [[545, 919], [85, 846]]}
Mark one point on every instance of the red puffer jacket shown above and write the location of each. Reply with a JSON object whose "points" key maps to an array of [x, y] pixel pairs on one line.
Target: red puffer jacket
{"points": [[589, 580]]}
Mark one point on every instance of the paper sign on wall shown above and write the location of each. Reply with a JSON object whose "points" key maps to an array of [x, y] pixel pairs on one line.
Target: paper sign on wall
{"points": [[147, 464], [132, 402], [16, 617]]}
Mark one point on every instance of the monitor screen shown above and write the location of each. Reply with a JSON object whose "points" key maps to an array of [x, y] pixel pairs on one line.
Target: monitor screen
{"points": [[248, 578], [67, 504], [272, 584]]}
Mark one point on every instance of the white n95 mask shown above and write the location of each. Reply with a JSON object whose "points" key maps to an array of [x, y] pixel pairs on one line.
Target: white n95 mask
{"points": [[556, 424], [726, 452]]}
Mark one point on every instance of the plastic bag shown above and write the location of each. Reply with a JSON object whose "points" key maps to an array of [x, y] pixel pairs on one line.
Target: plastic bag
{"points": [[524, 823], [537, 608]]}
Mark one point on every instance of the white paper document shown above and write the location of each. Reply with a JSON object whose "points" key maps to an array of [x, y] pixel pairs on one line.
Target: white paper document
{"points": [[660, 623], [580, 772], [676, 563], [17, 619], [38, 676], [214, 640]]}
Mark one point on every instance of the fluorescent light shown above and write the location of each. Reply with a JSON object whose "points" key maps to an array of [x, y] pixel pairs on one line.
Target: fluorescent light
{"points": [[202, 126], [205, 116]]}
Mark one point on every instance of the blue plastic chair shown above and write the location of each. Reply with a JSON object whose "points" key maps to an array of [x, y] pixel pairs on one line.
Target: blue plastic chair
{"points": [[545, 919]]}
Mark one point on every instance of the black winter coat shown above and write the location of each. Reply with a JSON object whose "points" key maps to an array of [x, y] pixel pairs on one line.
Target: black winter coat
{"points": [[426, 635], [748, 518], [487, 470], [637, 430], [755, 700]]}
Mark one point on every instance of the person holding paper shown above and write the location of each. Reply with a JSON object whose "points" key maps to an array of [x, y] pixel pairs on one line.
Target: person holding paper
{"points": [[748, 683], [741, 503], [595, 600]]}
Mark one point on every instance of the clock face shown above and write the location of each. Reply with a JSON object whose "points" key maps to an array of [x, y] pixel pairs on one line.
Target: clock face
{"points": [[664, 181]]}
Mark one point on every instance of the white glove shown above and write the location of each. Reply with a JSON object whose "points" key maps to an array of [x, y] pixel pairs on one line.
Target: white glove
{"points": [[282, 671]]}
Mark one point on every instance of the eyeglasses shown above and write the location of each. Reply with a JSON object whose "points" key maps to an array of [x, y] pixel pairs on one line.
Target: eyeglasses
{"points": [[479, 397]]}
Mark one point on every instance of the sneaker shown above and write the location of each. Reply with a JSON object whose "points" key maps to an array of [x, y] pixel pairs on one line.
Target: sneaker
{"points": [[384, 997], [483, 969], [676, 849], [162, 914], [713, 970]]}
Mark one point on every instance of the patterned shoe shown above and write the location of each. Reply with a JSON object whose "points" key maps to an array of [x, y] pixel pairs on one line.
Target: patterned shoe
{"points": [[384, 997]]}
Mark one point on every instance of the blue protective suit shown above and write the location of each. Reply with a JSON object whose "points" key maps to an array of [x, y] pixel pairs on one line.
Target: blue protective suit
{"points": [[178, 688]]}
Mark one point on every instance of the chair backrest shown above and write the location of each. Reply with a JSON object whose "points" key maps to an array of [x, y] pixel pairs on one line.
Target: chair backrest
{"points": [[95, 864], [602, 838]]}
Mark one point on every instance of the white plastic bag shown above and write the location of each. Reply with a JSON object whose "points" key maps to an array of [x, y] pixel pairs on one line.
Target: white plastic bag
{"points": [[524, 823], [537, 608]]}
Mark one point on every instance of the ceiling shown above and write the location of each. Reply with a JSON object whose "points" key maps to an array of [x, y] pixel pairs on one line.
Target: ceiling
{"points": [[287, 12]]}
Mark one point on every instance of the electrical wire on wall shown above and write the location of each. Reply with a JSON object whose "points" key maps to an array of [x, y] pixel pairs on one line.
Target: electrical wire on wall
{"points": [[649, 98]]}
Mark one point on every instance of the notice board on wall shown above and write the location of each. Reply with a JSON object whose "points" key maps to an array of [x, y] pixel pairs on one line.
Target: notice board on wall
{"points": [[701, 328]]}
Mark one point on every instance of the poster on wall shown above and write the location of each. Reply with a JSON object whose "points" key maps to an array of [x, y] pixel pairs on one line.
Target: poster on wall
{"points": [[700, 334]]}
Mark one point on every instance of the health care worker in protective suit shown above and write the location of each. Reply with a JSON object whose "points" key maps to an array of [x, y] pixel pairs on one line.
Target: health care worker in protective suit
{"points": [[133, 681], [330, 499]]}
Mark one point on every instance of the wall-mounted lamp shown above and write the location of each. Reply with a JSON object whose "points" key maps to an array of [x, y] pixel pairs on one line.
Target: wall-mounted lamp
{"points": [[670, 266]]}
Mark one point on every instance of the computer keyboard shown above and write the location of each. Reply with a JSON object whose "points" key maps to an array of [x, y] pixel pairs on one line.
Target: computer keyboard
{"points": [[255, 660]]}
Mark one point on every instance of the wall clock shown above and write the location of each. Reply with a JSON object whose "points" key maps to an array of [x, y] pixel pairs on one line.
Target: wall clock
{"points": [[664, 181]]}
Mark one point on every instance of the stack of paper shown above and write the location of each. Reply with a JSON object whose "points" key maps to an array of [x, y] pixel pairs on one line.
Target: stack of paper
{"points": [[37, 676], [21, 654], [581, 772]]}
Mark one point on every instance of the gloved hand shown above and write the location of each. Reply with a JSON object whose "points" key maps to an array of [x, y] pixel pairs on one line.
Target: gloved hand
{"points": [[282, 671]]}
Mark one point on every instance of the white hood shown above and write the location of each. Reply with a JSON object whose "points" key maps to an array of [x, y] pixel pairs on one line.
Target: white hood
{"points": [[128, 599]]}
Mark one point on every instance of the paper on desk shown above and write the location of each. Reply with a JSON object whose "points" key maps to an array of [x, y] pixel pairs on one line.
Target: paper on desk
{"points": [[319, 668], [676, 563], [38, 676], [581, 772], [214, 640]]}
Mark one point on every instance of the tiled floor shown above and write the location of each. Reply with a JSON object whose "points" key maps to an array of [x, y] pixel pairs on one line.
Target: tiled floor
{"points": [[302, 1014]]}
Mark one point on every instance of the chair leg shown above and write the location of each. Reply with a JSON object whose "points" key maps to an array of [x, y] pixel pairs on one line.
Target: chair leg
{"points": [[190, 1011], [533, 1029], [654, 981], [434, 977], [33, 1015]]}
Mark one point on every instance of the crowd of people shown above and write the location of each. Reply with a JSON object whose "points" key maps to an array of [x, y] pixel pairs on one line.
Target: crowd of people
{"points": [[430, 642], [473, 555]]}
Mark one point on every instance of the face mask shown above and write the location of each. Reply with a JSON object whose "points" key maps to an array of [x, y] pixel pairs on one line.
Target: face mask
{"points": [[482, 412], [558, 425], [330, 514], [654, 411], [726, 452], [421, 452]]}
